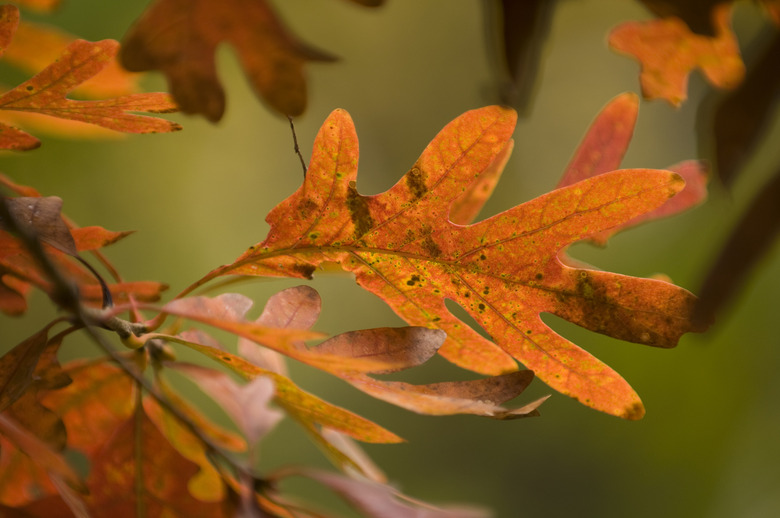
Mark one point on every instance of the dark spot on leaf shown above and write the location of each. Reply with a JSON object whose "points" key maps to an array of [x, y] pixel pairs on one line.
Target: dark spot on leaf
{"points": [[415, 181], [306, 270], [30, 88], [358, 211], [431, 247], [467, 294], [435, 319], [483, 257], [413, 280], [486, 290], [539, 276], [227, 359], [481, 307]]}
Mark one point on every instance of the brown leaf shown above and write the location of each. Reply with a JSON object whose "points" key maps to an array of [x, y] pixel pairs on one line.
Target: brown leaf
{"points": [[385, 349], [41, 217], [179, 38], [17, 367]]}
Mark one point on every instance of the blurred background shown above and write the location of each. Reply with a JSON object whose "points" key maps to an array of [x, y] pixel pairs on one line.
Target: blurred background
{"points": [[708, 446]]}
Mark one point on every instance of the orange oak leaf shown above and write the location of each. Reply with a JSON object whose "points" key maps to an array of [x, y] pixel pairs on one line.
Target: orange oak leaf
{"points": [[504, 271], [138, 456], [179, 38], [206, 485], [668, 51], [602, 149], [31, 464], [35, 46], [46, 92]]}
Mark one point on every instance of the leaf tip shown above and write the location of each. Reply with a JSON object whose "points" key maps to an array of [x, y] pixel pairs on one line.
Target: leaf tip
{"points": [[634, 412], [676, 183]]}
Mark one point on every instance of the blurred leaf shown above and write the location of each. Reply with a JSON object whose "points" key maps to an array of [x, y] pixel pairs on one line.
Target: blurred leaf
{"points": [[749, 241], [41, 217], [206, 485], [41, 455], [697, 14], [137, 468], [606, 141], [742, 116], [179, 38], [503, 271], [45, 93], [668, 51], [94, 405], [247, 405], [35, 46], [17, 367], [376, 500], [39, 5], [524, 28]]}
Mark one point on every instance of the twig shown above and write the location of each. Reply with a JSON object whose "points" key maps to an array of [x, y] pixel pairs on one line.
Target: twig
{"points": [[67, 298], [295, 141]]}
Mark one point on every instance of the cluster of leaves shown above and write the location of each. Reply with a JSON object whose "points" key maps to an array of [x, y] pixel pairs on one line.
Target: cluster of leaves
{"points": [[686, 35], [149, 450]]}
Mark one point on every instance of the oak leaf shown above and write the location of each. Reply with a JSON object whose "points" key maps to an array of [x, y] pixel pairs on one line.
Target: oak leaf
{"points": [[46, 92], [602, 150], [179, 38], [504, 271], [668, 51]]}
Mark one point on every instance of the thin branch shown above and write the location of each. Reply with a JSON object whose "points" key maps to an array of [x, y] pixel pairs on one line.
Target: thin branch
{"points": [[297, 149], [68, 299]]}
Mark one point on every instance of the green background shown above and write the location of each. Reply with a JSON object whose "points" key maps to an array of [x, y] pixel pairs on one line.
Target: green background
{"points": [[709, 444]]}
